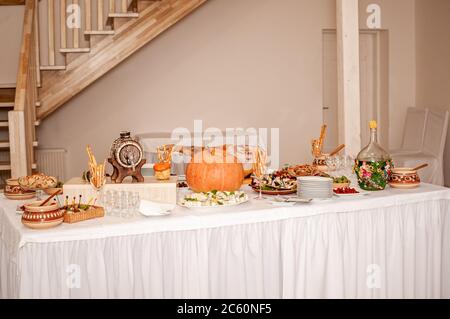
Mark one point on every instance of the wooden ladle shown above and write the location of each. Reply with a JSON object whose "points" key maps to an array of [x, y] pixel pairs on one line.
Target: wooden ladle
{"points": [[50, 197], [337, 150], [420, 167]]}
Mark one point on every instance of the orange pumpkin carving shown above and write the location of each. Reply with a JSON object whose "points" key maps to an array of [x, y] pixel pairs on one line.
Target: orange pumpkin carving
{"points": [[214, 170]]}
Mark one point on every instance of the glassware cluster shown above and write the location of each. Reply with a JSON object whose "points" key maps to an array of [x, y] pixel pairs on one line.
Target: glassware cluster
{"points": [[121, 203]]}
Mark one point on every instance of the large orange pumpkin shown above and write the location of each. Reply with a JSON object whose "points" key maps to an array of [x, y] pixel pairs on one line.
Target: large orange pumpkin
{"points": [[214, 170]]}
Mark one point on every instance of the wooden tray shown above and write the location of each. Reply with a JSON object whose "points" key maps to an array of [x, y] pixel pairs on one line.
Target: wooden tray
{"points": [[93, 212]]}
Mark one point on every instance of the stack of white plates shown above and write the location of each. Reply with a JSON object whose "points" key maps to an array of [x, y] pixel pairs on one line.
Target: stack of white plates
{"points": [[312, 187]]}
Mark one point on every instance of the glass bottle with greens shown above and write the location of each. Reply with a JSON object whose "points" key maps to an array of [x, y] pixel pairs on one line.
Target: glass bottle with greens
{"points": [[373, 164]]}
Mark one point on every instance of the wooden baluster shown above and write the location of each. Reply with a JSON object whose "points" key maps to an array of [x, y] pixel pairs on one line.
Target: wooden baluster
{"points": [[36, 41], [100, 15], [63, 23], [124, 6], [87, 4], [51, 32], [112, 6], [76, 31]]}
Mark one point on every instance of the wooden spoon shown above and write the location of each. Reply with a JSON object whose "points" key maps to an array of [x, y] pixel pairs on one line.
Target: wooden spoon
{"points": [[337, 150], [50, 197], [420, 167]]}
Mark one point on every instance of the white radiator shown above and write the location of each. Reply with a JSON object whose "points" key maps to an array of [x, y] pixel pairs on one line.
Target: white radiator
{"points": [[52, 162]]}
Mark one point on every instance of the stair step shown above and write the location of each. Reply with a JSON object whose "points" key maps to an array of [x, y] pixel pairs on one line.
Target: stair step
{"points": [[7, 85], [7, 104], [5, 166], [5, 123], [103, 32], [52, 67], [75, 50], [6, 144], [116, 20], [124, 15]]}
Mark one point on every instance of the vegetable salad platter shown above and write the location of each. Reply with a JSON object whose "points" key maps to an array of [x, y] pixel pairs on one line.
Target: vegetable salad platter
{"points": [[213, 199]]}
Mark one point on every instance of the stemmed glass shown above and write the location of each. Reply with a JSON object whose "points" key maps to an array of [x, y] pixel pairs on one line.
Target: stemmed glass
{"points": [[260, 169], [98, 185]]}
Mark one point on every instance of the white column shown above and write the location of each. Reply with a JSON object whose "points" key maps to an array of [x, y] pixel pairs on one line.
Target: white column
{"points": [[348, 75]]}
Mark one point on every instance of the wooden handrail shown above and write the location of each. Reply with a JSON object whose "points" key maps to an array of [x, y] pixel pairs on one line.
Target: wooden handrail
{"points": [[21, 120], [24, 60]]}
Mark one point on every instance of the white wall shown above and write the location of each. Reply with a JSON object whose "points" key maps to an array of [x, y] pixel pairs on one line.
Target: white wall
{"points": [[433, 61], [232, 63], [398, 17], [11, 20]]}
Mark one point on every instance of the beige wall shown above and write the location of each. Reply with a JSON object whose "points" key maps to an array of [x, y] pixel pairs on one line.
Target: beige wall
{"points": [[232, 63], [398, 17], [11, 20], [433, 60]]}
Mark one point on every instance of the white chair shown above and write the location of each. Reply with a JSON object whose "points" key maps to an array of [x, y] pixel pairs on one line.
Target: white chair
{"points": [[431, 151], [413, 132]]}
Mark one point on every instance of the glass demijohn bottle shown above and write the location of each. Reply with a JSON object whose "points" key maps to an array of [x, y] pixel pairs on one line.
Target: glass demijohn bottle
{"points": [[373, 164]]}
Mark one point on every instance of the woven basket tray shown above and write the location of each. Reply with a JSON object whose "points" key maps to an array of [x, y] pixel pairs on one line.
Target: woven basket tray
{"points": [[93, 212]]}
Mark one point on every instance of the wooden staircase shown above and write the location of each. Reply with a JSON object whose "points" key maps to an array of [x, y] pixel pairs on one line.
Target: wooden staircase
{"points": [[109, 39]]}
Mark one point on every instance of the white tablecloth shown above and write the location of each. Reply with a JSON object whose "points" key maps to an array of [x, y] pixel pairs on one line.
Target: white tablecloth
{"points": [[391, 244]]}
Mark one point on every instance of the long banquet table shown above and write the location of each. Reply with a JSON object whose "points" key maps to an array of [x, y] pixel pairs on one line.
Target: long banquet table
{"points": [[391, 244]]}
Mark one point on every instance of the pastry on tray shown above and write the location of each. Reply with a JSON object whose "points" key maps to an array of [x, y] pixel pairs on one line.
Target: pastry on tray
{"points": [[162, 171], [37, 181]]}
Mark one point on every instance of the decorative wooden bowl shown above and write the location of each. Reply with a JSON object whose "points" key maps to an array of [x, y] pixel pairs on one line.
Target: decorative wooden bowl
{"points": [[404, 178], [42, 217], [13, 191]]}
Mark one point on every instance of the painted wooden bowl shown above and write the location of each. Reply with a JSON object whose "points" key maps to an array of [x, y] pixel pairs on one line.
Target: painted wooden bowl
{"points": [[14, 191], [42, 217], [404, 178]]}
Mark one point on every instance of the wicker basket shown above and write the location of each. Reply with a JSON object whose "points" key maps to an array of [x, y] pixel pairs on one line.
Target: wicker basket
{"points": [[93, 212]]}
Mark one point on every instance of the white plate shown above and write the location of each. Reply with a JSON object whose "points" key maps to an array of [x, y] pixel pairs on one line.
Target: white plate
{"points": [[353, 195], [283, 204], [314, 179], [150, 209], [212, 208]]}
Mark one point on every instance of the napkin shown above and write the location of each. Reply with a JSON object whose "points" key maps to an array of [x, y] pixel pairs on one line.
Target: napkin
{"points": [[149, 208]]}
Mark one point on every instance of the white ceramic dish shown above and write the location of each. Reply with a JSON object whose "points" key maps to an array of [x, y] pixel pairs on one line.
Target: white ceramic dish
{"points": [[152, 209], [360, 194], [212, 208]]}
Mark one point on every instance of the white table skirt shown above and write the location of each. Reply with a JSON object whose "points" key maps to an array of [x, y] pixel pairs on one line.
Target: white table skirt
{"points": [[321, 250]]}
